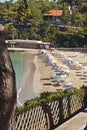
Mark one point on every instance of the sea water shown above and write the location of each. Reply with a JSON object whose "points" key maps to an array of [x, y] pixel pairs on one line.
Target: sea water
{"points": [[22, 63]]}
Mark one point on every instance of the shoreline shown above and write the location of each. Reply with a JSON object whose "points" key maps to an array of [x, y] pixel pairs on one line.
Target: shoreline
{"points": [[27, 92], [40, 75], [36, 78]]}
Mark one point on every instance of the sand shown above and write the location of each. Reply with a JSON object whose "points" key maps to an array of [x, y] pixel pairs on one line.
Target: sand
{"points": [[44, 70], [75, 77], [36, 78], [40, 78], [27, 92]]}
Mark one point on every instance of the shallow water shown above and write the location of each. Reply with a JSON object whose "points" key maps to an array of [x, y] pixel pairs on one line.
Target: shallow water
{"points": [[23, 66]]}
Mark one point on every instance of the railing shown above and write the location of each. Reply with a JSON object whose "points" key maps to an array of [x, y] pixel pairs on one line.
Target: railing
{"points": [[49, 115], [34, 119]]}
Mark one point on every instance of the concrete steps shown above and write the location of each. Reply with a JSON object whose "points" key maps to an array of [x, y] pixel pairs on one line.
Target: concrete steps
{"points": [[78, 122]]}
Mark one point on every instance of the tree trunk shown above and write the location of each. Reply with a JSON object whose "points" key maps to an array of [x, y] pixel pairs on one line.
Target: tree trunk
{"points": [[7, 89]]}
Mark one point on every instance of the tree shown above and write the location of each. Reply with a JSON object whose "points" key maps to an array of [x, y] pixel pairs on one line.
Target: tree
{"points": [[85, 22], [10, 31], [79, 19], [7, 89], [44, 31], [65, 16], [22, 11], [73, 18], [8, 13]]}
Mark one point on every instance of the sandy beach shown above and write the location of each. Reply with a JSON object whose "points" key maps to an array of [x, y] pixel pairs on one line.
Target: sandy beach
{"points": [[75, 77], [40, 78], [26, 91]]}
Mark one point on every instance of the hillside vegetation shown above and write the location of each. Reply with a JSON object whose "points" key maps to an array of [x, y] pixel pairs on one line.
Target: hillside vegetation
{"points": [[24, 19]]}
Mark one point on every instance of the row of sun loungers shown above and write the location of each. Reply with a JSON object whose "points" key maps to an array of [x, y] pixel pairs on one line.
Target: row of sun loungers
{"points": [[61, 71]]}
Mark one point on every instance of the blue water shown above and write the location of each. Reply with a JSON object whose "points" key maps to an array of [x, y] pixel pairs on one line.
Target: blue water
{"points": [[19, 61], [22, 63]]}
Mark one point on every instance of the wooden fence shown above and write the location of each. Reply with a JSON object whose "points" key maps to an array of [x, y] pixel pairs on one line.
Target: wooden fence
{"points": [[49, 115]]}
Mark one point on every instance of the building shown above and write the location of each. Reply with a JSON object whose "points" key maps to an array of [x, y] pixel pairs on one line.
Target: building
{"points": [[33, 44], [1, 28], [54, 16]]}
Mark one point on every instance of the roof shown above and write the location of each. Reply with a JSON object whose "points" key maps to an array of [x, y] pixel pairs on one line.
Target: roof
{"points": [[54, 13], [26, 41]]}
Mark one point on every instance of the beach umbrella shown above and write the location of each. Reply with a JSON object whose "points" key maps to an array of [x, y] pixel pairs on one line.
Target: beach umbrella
{"points": [[56, 78], [52, 74], [85, 67]]}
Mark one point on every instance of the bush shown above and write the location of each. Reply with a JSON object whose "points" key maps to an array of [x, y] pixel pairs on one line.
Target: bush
{"points": [[49, 97]]}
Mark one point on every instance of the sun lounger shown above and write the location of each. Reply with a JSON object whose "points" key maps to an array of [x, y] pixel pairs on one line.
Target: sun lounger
{"points": [[57, 84]]}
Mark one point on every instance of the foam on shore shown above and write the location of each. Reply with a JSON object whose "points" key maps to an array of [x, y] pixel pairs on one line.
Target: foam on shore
{"points": [[26, 91], [36, 78], [35, 83]]}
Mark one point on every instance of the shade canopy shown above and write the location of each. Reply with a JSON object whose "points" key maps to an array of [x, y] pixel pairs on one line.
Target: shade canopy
{"points": [[56, 78]]}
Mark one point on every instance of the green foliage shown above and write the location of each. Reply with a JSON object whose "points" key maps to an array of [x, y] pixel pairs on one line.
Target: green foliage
{"points": [[49, 97], [21, 13], [66, 15], [85, 21], [11, 30], [79, 19], [84, 8]]}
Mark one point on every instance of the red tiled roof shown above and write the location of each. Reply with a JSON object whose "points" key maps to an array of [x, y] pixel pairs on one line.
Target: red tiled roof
{"points": [[54, 13]]}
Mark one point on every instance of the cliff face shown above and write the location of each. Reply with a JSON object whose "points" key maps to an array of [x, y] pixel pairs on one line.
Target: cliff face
{"points": [[7, 88]]}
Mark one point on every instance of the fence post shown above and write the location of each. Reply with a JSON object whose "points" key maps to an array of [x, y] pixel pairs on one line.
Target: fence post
{"points": [[47, 111]]}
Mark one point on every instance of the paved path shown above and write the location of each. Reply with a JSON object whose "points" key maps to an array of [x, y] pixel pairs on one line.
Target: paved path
{"points": [[78, 122]]}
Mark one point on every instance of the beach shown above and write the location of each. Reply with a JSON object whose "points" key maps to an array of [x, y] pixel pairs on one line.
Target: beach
{"points": [[23, 63], [75, 77], [27, 92], [39, 78]]}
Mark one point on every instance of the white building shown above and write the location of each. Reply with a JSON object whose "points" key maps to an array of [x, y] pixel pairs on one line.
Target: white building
{"points": [[34, 44]]}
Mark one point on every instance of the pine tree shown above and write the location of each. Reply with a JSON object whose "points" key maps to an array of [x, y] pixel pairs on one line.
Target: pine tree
{"points": [[7, 89]]}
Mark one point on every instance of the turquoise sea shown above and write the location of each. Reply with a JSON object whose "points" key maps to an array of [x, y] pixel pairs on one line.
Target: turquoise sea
{"points": [[23, 64]]}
